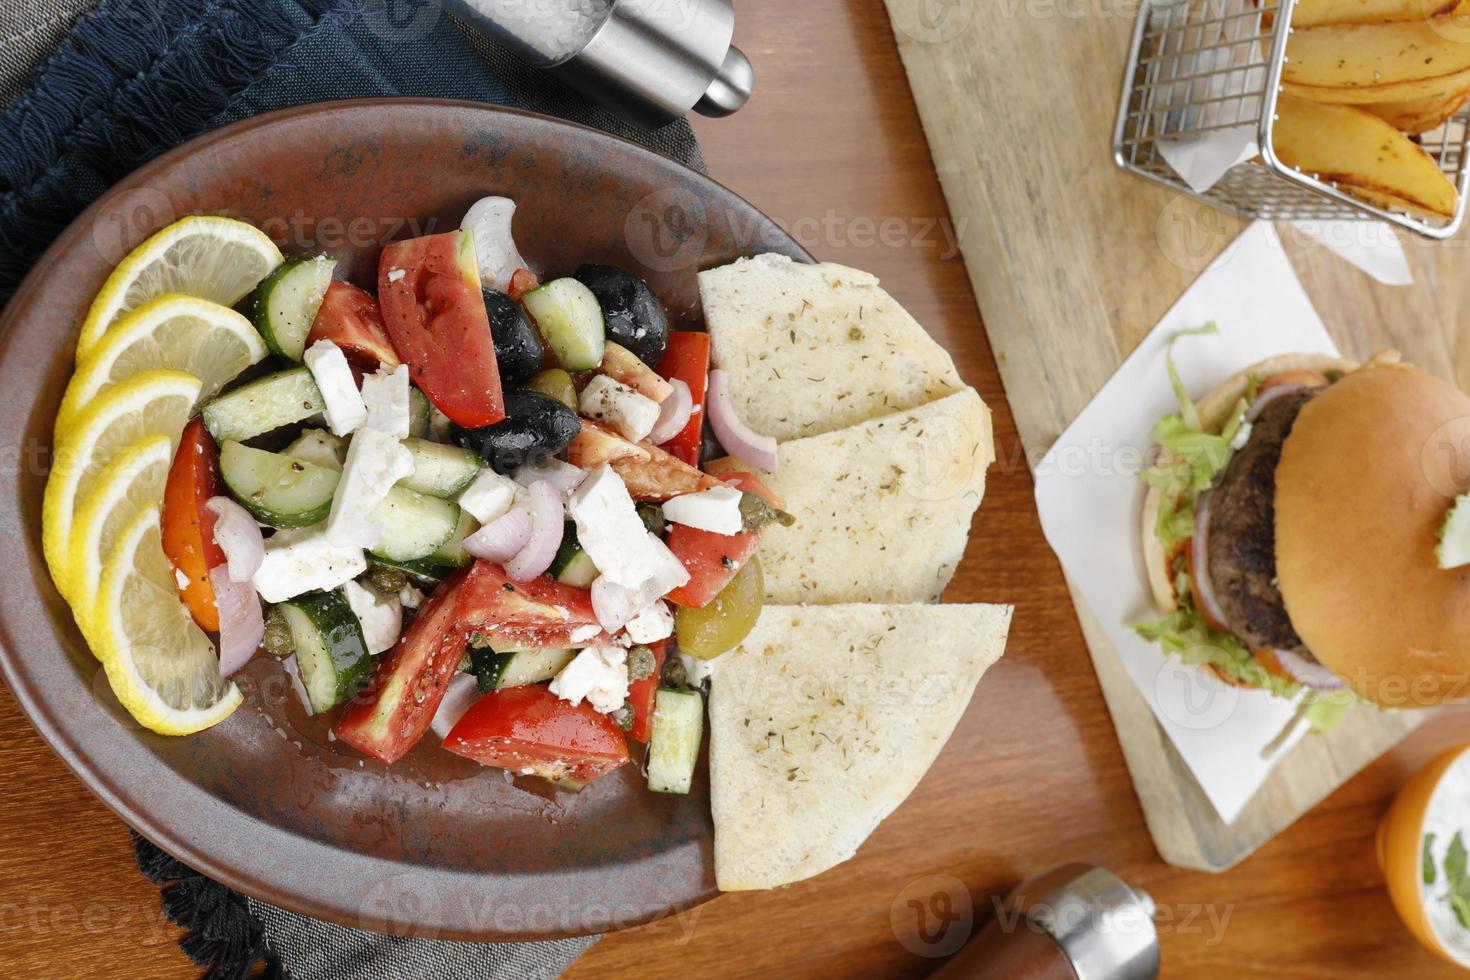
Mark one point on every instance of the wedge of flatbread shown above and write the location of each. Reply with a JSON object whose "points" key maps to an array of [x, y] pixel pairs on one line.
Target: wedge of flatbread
{"points": [[813, 348], [882, 509], [824, 720]]}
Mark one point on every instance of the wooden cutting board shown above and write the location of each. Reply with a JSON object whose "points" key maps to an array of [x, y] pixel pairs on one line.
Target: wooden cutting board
{"points": [[1073, 261]]}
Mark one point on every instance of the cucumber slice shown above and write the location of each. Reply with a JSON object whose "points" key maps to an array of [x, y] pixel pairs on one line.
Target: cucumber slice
{"points": [[330, 652], [571, 320], [673, 751], [283, 398], [572, 565], [420, 414], [279, 490], [439, 470], [422, 573], [497, 670], [414, 525], [320, 447], [451, 553], [286, 301]]}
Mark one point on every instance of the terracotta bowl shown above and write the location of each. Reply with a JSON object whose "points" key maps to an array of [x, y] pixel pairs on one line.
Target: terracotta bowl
{"points": [[264, 802]]}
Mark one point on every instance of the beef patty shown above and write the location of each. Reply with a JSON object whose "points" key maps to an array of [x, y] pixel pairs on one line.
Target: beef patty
{"points": [[1241, 557]]}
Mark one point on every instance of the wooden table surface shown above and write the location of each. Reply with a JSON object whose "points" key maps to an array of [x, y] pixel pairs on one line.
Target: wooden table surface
{"points": [[832, 147]]}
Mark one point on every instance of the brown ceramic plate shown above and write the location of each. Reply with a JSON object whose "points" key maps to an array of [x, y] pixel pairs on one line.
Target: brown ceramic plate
{"points": [[262, 802]]}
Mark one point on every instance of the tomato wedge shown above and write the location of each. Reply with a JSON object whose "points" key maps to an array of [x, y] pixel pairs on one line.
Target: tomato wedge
{"points": [[687, 359], [657, 475], [349, 317], [532, 731], [623, 365], [188, 526], [522, 281], [430, 294], [390, 714], [641, 695], [712, 560], [395, 709]]}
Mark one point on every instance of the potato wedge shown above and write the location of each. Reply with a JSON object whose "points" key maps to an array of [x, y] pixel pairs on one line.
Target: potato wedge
{"points": [[1319, 13], [1357, 150], [1396, 62], [1418, 116]]}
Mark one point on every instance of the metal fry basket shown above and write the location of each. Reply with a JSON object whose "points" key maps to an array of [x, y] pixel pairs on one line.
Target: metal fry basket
{"points": [[1198, 67]]}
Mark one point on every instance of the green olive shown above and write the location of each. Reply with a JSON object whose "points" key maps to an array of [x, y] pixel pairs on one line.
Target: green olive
{"points": [[711, 630], [556, 383]]}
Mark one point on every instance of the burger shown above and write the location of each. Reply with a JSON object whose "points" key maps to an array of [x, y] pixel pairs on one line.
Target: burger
{"points": [[1305, 533]]}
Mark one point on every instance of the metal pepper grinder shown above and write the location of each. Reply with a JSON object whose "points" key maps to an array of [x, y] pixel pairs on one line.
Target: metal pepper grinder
{"points": [[651, 61], [1074, 922]]}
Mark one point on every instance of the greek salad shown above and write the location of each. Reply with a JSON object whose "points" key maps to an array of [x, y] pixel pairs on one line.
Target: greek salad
{"points": [[462, 505]]}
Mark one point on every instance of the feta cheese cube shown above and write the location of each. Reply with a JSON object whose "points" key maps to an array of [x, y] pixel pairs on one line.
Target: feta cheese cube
{"points": [[620, 406], [385, 395], [716, 510], [306, 564], [584, 633], [328, 366], [652, 624], [611, 532], [381, 617], [489, 496], [374, 463], [597, 675], [410, 597]]}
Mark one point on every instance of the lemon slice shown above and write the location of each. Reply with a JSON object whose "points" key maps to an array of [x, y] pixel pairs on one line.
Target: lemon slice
{"points": [[127, 486], [184, 333], [217, 259], [162, 667], [151, 403]]}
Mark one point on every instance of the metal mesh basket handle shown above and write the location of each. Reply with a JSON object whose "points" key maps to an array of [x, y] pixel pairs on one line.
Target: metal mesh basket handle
{"points": [[1212, 69]]}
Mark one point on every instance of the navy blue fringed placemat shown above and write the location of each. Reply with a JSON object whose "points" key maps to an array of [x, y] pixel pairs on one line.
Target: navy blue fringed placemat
{"points": [[121, 82]]}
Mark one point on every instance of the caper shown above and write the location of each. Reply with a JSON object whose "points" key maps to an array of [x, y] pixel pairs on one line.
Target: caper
{"points": [[653, 518], [623, 718], [278, 641], [756, 513], [641, 663], [674, 675], [386, 578]]}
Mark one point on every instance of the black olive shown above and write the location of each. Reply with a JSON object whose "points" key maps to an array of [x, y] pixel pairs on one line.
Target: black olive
{"points": [[518, 348], [634, 316], [536, 427]]}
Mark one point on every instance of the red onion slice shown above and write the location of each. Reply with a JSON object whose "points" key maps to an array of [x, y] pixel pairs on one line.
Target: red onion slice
{"points": [[739, 440], [560, 474], [1308, 672], [674, 414], [463, 691], [503, 538], [238, 536], [241, 622], [1269, 396], [1199, 565], [548, 521]]}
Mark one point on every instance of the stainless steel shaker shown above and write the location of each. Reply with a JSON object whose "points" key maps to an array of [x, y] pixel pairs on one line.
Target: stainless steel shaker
{"points": [[651, 61], [1074, 922]]}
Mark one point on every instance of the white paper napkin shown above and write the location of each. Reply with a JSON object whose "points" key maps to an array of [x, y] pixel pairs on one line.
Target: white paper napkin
{"points": [[1089, 493]]}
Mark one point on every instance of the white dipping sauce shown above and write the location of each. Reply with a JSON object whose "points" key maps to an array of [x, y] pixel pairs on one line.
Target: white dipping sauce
{"points": [[1448, 815]]}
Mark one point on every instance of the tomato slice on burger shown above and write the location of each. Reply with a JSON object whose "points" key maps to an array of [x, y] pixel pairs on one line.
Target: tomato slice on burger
{"points": [[188, 526], [349, 317], [532, 731], [429, 290]]}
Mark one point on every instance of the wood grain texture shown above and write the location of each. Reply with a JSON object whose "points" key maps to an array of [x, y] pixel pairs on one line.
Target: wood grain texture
{"points": [[1033, 775], [1074, 261]]}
